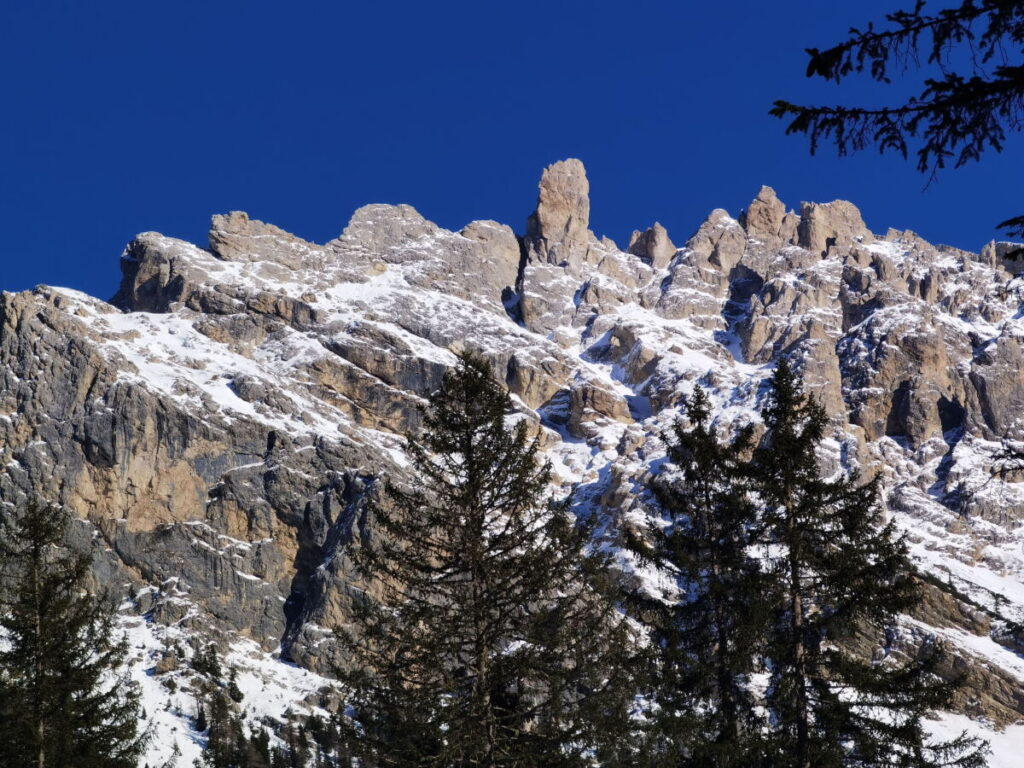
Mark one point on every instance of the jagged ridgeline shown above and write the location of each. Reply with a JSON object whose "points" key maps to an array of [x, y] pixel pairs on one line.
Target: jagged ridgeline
{"points": [[217, 423]]}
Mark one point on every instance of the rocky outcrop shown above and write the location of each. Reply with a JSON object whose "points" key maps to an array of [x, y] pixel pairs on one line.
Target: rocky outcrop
{"points": [[237, 238], [766, 220], [217, 424], [653, 246], [559, 225], [831, 227]]}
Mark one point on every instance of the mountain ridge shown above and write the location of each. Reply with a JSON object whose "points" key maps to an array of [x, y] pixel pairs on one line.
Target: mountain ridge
{"points": [[217, 422]]}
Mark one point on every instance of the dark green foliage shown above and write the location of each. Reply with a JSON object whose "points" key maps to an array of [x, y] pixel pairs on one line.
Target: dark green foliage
{"points": [[225, 745], [226, 742], [234, 692], [260, 745], [297, 743], [228, 746], [61, 704], [794, 574], [207, 662], [973, 94], [324, 734], [172, 761], [492, 643], [843, 575], [708, 639]]}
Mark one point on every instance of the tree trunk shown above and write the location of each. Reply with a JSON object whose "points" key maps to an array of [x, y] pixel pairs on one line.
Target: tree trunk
{"points": [[484, 704], [730, 717], [40, 725], [727, 700], [796, 628]]}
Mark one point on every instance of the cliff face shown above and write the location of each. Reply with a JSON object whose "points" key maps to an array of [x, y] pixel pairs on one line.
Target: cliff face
{"points": [[217, 422]]}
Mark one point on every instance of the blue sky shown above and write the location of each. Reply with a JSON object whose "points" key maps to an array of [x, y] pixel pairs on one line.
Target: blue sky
{"points": [[121, 117]]}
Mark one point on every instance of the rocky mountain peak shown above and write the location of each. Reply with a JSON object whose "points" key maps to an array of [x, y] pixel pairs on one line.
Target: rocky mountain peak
{"points": [[831, 227], [378, 228], [237, 238], [560, 222], [1004, 255], [652, 245], [764, 217]]}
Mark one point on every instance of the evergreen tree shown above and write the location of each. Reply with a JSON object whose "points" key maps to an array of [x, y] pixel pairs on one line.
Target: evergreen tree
{"points": [[172, 761], [492, 644], [207, 662], [842, 573], [968, 102], [226, 744], [296, 741], [234, 692], [260, 749], [61, 702], [708, 639]]}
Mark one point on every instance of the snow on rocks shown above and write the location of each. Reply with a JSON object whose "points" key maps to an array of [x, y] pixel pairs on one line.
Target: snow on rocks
{"points": [[259, 386]]}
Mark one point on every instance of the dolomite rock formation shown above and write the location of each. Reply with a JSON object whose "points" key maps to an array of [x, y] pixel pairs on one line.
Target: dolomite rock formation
{"points": [[217, 424], [557, 229], [653, 246]]}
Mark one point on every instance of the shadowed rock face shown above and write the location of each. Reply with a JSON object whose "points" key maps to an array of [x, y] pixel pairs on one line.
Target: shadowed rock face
{"points": [[219, 422]]}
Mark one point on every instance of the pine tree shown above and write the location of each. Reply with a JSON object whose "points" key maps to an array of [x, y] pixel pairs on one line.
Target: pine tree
{"points": [[708, 639], [234, 692], [260, 749], [492, 643], [226, 744], [207, 662], [172, 761], [61, 702], [842, 574], [296, 741], [967, 104]]}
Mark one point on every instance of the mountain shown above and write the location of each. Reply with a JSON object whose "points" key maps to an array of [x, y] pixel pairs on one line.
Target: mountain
{"points": [[216, 424]]}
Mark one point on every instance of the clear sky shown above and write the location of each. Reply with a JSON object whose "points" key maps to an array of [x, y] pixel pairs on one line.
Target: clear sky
{"points": [[121, 117]]}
